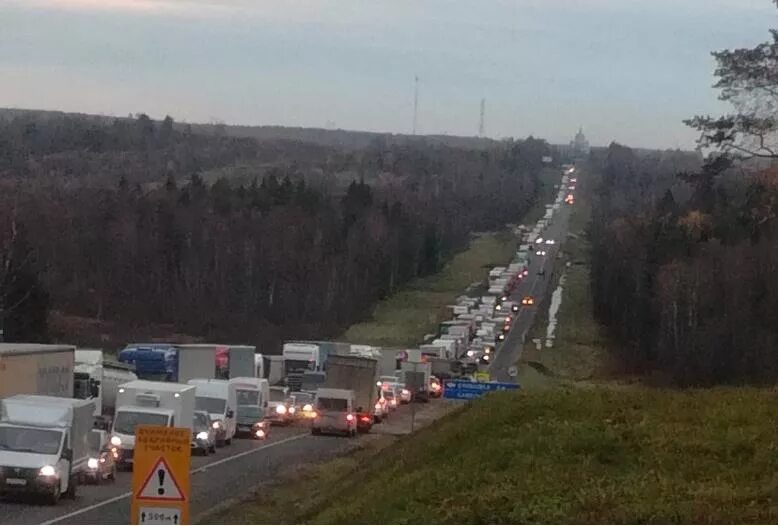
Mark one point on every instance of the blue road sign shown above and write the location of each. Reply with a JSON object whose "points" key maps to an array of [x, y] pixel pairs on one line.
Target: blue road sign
{"points": [[467, 390]]}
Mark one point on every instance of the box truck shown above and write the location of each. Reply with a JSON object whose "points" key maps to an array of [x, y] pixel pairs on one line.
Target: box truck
{"points": [[142, 402], [45, 445], [359, 375]]}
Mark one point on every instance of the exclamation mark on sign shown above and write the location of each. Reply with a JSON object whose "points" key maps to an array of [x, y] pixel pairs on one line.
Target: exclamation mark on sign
{"points": [[161, 477]]}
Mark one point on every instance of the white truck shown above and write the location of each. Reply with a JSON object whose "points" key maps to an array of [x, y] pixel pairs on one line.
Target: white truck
{"points": [[44, 445], [416, 377], [216, 397], [34, 369], [98, 380], [143, 402]]}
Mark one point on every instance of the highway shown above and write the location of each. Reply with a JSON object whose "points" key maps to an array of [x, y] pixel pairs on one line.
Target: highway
{"points": [[234, 472], [507, 354]]}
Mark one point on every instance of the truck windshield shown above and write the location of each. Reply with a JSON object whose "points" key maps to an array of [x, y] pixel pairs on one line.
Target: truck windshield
{"points": [[298, 366], [277, 396], [200, 421], [211, 405], [246, 397], [30, 440], [332, 404], [126, 421]]}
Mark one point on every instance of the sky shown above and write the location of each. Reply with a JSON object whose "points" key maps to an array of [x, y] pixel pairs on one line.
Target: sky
{"points": [[625, 70]]}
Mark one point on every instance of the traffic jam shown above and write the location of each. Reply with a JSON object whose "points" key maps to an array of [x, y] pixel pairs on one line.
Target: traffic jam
{"points": [[69, 416]]}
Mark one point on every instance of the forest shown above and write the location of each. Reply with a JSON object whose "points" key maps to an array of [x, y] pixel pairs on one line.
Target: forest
{"points": [[114, 220], [685, 252]]}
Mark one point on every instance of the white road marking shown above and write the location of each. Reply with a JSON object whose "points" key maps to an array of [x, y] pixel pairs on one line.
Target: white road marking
{"points": [[201, 469]]}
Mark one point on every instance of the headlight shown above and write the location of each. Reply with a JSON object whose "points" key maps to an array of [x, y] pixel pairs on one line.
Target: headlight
{"points": [[406, 392], [92, 463], [378, 407], [292, 410], [260, 433], [48, 471], [202, 435], [116, 441], [217, 425], [281, 410], [307, 408]]}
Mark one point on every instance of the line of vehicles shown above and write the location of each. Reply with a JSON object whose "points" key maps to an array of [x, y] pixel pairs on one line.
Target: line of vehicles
{"points": [[69, 416]]}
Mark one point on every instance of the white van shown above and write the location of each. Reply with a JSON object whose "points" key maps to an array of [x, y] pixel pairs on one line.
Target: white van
{"points": [[216, 397], [334, 412], [251, 401]]}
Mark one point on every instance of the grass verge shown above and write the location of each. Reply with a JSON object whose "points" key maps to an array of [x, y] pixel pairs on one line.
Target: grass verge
{"points": [[580, 347], [573, 455], [404, 318]]}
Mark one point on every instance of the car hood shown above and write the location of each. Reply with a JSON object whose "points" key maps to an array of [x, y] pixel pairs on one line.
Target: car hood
{"points": [[18, 459]]}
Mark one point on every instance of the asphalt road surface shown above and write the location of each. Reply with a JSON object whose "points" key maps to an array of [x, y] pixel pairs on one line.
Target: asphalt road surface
{"points": [[507, 354], [232, 473]]}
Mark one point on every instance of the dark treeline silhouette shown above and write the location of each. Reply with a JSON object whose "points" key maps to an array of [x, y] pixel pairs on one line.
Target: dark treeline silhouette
{"points": [[276, 258], [684, 267]]}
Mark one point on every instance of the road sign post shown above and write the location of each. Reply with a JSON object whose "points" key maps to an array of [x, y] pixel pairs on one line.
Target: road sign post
{"points": [[160, 478]]}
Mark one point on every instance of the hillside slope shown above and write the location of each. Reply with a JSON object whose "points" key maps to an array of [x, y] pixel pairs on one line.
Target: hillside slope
{"points": [[578, 456]]}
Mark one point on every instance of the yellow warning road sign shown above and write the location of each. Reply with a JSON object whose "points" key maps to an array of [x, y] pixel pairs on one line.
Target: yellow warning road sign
{"points": [[160, 478]]}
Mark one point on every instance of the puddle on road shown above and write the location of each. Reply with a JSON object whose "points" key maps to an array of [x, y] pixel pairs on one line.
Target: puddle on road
{"points": [[556, 301]]}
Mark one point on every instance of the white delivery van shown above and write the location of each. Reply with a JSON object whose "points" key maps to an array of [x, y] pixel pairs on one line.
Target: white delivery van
{"points": [[44, 444], [216, 397], [143, 402], [335, 412], [252, 397]]}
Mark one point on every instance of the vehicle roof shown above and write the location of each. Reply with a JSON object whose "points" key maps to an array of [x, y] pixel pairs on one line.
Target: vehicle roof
{"points": [[33, 348], [52, 401], [145, 409], [334, 393], [157, 386]]}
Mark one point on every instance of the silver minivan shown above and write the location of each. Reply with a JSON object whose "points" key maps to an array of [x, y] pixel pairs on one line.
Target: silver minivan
{"points": [[334, 412]]}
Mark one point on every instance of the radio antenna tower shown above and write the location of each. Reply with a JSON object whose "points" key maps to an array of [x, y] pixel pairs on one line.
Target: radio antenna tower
{"points": [[481, 121], [415, 103]]}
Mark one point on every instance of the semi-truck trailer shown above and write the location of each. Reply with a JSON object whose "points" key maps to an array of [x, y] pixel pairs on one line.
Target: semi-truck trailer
{"points": [[34, 369]]}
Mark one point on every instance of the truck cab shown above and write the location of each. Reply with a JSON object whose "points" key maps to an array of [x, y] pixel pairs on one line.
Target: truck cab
{"points": [[143, 402], [44, 445], [335, 412]]}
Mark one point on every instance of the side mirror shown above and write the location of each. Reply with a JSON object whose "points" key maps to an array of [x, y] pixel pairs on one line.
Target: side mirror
{"points": [[67, 454], [230, 413]]}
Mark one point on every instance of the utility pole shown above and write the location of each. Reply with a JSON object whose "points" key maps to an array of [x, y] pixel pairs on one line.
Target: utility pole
{"points": [[481, 122], [415, 103]]}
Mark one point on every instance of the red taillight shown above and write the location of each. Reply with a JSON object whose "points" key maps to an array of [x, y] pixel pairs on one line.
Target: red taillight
{"points": [[366, 419], [350, 417]]}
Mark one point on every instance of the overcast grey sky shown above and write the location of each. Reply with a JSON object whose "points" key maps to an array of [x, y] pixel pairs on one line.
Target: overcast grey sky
{"points": [[627, 70]]}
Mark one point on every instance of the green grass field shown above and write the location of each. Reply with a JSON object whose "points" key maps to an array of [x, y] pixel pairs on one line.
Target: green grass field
{"points": [[404, 318], [573, 455]]}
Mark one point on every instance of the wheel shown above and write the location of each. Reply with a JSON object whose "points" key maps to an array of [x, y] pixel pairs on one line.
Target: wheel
{"points": [[112, 474], [53, 497], [204, 451], [212, 449], [228, 441], [72, 485], [315, 431]]}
